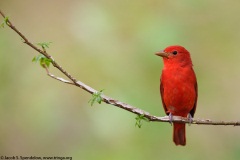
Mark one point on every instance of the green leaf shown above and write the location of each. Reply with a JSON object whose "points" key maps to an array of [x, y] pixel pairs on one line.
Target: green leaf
{"points": [[43, 61], [139, 121], [5, 21], [44, 45], [96, 97]]}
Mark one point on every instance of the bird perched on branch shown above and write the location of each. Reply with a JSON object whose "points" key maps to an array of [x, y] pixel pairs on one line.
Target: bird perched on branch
{"points": [[178, 88]]}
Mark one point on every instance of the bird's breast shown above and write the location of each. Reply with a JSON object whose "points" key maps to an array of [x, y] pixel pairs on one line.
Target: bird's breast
{"points": [[179, 90]]}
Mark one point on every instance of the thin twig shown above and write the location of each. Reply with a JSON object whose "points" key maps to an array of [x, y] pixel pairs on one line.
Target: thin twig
{"points": [[60, 79], [110, 100]]}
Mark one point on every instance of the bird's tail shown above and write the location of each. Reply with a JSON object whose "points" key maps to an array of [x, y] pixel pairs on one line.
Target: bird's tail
{"points": [[179, 136]]}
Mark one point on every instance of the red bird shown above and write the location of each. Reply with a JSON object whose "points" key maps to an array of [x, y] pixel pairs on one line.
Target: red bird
{"points": [[178, 88]]}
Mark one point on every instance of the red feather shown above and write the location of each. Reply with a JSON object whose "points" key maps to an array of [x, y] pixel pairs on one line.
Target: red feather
{"points": [[178, 88]]}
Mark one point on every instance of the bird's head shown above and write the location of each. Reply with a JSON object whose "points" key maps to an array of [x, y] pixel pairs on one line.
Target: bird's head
{"points": [[175, 55]]}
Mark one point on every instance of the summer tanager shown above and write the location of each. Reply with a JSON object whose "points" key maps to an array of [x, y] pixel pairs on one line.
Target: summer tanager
{"points": [[178, 88]]}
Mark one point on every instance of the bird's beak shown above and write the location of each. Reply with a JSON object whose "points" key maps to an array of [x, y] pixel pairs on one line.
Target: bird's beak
{"points": [[162, 54]]}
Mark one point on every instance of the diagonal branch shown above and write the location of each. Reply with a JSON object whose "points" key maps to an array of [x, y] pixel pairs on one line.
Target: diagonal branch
{"points": [[107, 99]]}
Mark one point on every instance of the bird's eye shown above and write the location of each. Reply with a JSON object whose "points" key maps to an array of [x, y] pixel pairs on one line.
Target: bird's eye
{"points": [[174, 52]]}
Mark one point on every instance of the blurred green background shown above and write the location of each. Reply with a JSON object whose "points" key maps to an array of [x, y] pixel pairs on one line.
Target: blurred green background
{"points": [[110, 45]]}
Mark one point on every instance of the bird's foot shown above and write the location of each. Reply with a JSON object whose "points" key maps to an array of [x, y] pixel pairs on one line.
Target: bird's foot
{"points": [[190, 119], [170, 116]]}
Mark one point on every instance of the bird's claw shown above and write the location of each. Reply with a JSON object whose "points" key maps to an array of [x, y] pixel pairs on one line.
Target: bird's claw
{"points": [[170, 118], [190, 119]]}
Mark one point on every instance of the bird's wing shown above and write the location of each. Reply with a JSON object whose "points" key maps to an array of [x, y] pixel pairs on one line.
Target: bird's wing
{"points": [[162, 95], [195, 104]]}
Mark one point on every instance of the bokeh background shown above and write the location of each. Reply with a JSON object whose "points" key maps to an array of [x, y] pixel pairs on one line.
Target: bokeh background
{"points": [[110, 45]]}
